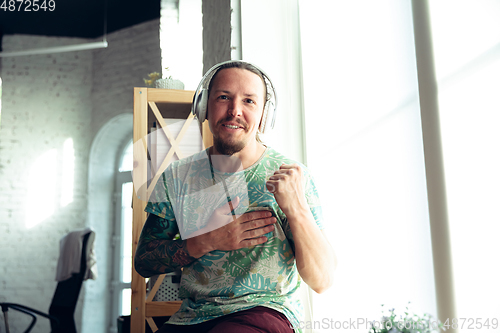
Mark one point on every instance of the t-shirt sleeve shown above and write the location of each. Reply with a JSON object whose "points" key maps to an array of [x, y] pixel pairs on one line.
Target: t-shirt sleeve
{"points": [[313, 200], [159, 202]]}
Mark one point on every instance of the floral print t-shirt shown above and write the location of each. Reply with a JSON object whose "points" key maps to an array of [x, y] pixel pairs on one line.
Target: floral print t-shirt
{"points": [[223, 282]]}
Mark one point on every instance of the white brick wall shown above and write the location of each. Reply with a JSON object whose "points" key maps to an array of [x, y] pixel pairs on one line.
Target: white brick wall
{"points": [[132, 54], [46, 100]]}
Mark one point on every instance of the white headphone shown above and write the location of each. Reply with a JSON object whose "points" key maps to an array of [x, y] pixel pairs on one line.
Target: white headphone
{"points": [[200, 98]]}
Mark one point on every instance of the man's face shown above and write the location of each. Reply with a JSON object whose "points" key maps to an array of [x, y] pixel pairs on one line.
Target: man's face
{"points": [[235, 107]]}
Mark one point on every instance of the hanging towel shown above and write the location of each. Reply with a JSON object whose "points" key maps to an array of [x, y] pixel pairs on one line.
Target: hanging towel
{"points": [[70, 251]]}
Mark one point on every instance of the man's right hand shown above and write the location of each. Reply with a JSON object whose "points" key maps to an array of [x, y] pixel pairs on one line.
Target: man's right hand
{"points": [[228, 233]]}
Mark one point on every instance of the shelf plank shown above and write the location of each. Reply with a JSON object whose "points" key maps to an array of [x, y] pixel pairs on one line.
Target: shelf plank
{"points": [[170, 96], [160, 309], [138, 284]]}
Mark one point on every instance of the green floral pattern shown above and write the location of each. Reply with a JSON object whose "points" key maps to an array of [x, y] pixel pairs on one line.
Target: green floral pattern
{"points": [[223, 282]]}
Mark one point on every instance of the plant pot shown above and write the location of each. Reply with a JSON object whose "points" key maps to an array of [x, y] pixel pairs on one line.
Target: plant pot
{"points": [[169, 84]]}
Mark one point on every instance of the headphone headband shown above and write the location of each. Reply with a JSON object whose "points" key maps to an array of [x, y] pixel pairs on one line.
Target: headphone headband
{"points": [[200, 98]]}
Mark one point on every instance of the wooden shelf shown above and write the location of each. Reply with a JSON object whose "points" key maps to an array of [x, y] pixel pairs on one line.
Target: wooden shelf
{"points": [[153, 105]]}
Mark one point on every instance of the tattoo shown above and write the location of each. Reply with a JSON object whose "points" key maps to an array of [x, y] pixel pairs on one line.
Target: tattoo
{"points": [[181, 256], [157, 255]]}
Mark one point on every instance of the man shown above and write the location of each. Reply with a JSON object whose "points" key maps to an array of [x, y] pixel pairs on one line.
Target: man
{"points": [[249, 219]]}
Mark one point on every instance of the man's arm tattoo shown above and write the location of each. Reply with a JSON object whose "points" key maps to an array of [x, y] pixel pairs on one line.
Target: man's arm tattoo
{"points": [[160, 256]]}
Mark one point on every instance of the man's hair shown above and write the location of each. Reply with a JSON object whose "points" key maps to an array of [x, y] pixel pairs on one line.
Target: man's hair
{"points": [[248, 67]]}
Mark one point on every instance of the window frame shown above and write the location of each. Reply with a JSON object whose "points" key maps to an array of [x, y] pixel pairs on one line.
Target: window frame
{"points": [[116, 284]]}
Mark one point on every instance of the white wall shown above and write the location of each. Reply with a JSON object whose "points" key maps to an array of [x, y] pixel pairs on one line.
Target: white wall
{"points": [[132, 54], [46, 100]]}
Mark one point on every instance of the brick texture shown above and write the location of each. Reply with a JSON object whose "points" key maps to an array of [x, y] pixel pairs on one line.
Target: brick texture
{"points": [[46, 100], [132, 54]]}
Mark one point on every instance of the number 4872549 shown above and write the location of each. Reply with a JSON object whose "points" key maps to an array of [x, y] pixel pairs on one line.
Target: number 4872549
{"points": [[28, 5], [471, 323]]}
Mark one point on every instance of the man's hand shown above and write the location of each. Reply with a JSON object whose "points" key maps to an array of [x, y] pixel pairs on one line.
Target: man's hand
{"points": [[229, 233], [287, 185]]}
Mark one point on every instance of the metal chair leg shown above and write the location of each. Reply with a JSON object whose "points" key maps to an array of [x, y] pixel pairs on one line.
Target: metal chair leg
{"points": [[6, 317]]}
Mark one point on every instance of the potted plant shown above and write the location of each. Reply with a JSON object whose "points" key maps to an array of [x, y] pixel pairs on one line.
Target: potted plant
{"points": [[155, 80], [392, 323]]}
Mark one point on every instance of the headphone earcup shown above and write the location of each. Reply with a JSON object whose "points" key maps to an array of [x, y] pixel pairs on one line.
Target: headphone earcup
{"points": [[268, 115], [200, 108], [264, 119]]}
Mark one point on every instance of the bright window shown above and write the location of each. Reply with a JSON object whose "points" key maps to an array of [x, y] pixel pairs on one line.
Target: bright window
{"points": [[127, 159], [361, 102], [364, 147], [122, 236], [466, 38]]}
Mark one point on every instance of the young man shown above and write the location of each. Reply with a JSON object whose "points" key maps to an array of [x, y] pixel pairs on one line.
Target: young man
{"points": [[249, 219]]}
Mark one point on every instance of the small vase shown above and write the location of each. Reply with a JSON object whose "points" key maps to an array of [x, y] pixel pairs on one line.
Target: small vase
{"points": [[169, 84]]}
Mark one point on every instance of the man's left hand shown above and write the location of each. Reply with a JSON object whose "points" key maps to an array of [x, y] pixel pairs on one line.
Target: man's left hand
{"points": [[287, 185]]}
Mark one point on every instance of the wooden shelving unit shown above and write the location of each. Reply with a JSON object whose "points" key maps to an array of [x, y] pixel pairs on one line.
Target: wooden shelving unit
{"points": [[150, 106]]}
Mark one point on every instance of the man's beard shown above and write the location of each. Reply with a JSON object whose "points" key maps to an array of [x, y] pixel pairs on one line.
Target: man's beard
{"points": [[227, 148], [230, 148]]}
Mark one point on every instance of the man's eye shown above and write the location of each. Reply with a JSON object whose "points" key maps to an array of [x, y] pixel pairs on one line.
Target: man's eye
{"points": [[250, 101], [223, 97]]}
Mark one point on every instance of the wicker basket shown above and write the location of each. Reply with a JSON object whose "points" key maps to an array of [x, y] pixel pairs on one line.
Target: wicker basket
{"points": [[169, 288]]}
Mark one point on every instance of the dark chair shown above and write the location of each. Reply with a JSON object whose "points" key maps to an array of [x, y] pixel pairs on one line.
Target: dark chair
{"points": [[62, 308]]}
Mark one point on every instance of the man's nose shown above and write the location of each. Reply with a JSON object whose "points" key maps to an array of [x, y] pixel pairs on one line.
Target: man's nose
{"points": [[235, 108]]}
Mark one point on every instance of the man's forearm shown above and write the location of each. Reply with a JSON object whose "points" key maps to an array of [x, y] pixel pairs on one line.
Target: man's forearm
{"points": [[161, 256], [315, 258]]}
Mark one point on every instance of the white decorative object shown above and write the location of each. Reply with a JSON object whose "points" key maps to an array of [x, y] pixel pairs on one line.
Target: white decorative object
{"points": [[169, 84]]}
